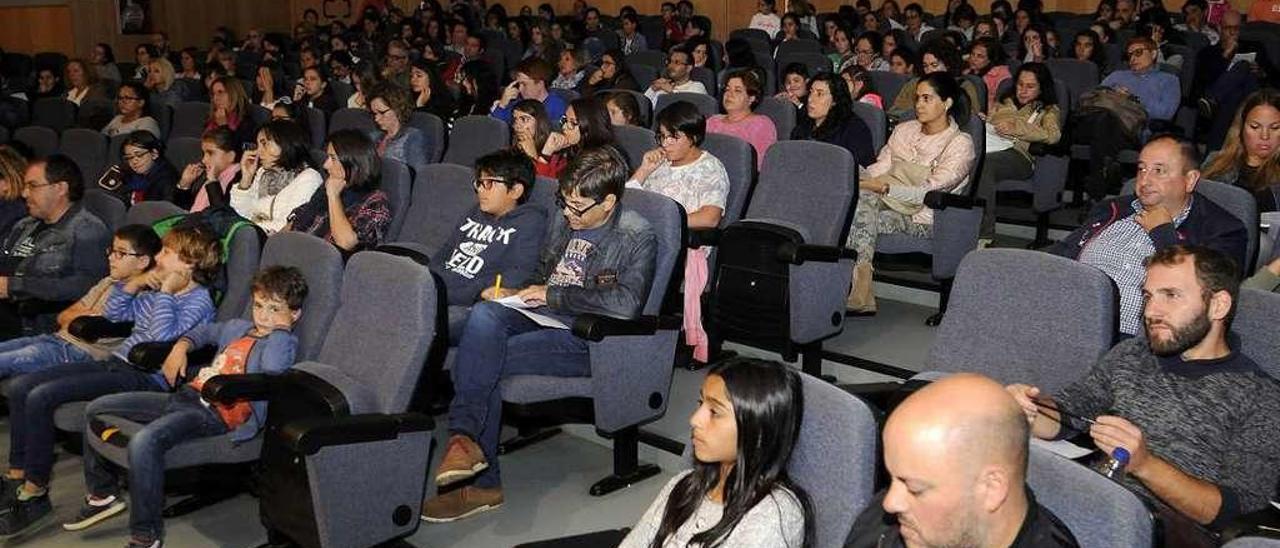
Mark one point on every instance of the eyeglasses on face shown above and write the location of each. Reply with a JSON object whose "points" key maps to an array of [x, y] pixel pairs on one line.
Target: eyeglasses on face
{"points": [[572, 209], [486, 183]]}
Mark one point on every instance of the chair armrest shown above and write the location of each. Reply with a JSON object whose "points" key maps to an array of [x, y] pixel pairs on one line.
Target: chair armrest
{"points": [[702, 237], [150, 355], [309, 436], [595, 328], [94, 328], [417, 253], [799, 254], [36, 307], [229, 388], [938, 199], [1250, 525]]}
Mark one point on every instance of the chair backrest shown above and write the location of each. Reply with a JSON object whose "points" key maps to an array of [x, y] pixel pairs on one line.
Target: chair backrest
{"points": [[567, 95], [397, 183], [814, 61], [799, 46], [315, 123], [342, 91], [1253, 542], [888, 84], [189, 119], [644, 75], [808, 184], [635, 141], [1099, 512], [115, 149], [1079, 76], [834, 459], [243, 253], [708, 79], [977, 130], [475, 136], [646, 106], [668, 221], [706, 104], [181, 151], [108, 208], [432, 127], [88, 148], [147, 213], [441, 195], [55, 113], [1238, 201], [649, 58], [321, 264], [384, 325], [1005, 318], [739, 160], [4, 135], [1254, 322], [43, 141], [876, 121], [353, 118], [781, 112]]}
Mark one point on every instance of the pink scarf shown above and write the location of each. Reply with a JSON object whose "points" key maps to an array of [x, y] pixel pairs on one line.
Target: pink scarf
{"points": [[225, 178], [696, 276]]}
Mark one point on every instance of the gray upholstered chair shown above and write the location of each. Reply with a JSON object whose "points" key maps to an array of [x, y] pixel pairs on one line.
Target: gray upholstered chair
{"points": [[1099, 512], [888, 84], [781, 112], [189, 119], [651, 58], [353, 118], [876, 121], [348, 406], [316, 124], [88, 149], [147, 213], [739, 161], [707, 105], [181, 151], [433, 128], [1256, 314], [1048, 177], [956, 220], [634, 141], [108, 208], [813, 59], [55, 113], [321, 265], [782, 271], [708, 79], [630, 360], [1253, 542], [41, 140], [475, 136], [441, 195], [834, 459], [397, 183]]}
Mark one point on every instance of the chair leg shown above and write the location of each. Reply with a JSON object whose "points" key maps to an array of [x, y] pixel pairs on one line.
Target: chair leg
{"points": [[1042, 232], [944, 295], [627, 469], [526, 436], [201, 501], [811, 361]]}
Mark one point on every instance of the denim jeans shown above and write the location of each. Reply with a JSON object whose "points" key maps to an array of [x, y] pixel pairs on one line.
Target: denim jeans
{"points": [[35, 396], [500, 342], [170, 420], [27, 354]]}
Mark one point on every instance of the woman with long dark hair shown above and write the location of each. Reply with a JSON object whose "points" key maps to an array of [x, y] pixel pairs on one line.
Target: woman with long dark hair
{"points": [[585, 124], [349, 210], [738, 492], [987, 61], [275, 176], [479, 88], [430, 94], [828, 117], [612, 74], [530, 129]]}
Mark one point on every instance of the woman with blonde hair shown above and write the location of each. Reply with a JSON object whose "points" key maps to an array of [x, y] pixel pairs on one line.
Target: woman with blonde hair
{"points": [[12, 207], [1248, 156], [160, 77], [229, 106]]}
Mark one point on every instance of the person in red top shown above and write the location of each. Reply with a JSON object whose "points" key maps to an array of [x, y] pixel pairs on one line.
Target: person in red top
{"points": [[585, 125], [263, 345]]}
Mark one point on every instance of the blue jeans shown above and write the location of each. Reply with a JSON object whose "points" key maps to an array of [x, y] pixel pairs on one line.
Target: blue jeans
{"points": [[35, 396], [500, 342], [170, 420], [27, 354]]}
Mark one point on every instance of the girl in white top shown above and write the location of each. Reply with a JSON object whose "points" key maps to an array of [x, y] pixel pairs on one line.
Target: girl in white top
{"points": [[738, 494], [275, 178], [766, 19]]}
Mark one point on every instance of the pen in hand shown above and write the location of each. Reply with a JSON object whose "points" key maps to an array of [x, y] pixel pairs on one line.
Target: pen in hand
{"points": [[1063, 413]]}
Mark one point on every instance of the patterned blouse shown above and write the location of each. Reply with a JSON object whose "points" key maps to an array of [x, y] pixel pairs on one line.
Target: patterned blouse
{"points": [[368, 212]]}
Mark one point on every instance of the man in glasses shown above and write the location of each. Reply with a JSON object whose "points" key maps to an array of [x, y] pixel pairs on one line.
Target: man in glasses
{"points": [[396, 67], [598, 258], [676, 77], [55, 253], [1226, 73], [1199, 419]]}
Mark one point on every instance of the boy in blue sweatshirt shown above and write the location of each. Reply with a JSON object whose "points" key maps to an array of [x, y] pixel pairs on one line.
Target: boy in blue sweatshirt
{"points": [[163, 303], [265, 345], [501, 235]]}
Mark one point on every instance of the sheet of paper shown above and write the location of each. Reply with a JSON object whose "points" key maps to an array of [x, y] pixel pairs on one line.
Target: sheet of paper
{"points": [[1276, 504], [1062, 448], [516, 303], [1242, 57]]}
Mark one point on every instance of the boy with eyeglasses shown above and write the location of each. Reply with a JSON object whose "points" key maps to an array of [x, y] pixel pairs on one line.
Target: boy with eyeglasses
{"points": [[501, 235], [598, 259], [264, 345], [132, 252]]}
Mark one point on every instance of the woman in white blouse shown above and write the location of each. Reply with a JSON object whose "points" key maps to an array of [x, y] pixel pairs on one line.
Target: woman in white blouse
{"points": [[275, 178]]}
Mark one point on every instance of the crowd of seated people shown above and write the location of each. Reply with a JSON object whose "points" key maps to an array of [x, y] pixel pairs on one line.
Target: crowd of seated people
{"points": [[1176, 257]]}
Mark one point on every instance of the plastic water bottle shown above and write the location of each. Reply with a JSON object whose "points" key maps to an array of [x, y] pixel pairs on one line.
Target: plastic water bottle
{"points": [[1114, 467]]}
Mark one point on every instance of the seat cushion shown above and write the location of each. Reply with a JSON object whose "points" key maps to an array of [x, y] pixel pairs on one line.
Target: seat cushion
{"points": [[69, 417], [210, 450], [537, 388], [902, 243]]}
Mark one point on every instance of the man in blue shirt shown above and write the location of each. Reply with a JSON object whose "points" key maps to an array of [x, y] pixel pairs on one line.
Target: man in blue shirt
{"points": [[532, 76]]}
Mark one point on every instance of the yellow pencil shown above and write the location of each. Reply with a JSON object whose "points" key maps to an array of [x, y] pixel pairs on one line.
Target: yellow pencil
{"points": [[497, 287]]}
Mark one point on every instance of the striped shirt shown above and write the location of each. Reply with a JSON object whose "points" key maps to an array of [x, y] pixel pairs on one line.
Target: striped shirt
{"points": [[157, 316]]}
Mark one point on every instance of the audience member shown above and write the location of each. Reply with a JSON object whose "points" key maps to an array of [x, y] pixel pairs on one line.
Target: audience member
{"points": [[530, 82], [1026, 114], [160, 78], [738, 493], [269, 85], [530, 129], [498, 341], [765, 19], [986, 61], [430, 94], [929, 153], [1226, 73], [132, 252], [1248, 157], [866, 52], [314, 92], [146, 175], [350, 210], [229, 106], [585, 125], [828, 117], [82, 83], [104, 62], [612, 74], [1267, 278], [742, 92], [938, 56], [48, 85], [13, 206], [1120, 233], [1140, 394], [275, 177], [860, 87], [676, 77], [795, 85], [163, 303], [392, 107], [630, 38], [1088, 47], [916, 25], [956, 454], [571, 69], [479, 89], [131, 112], [624, 109], [210, 179]]}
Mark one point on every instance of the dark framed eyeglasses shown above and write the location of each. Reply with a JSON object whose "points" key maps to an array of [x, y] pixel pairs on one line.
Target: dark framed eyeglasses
{"points": [[576, 211], [1135, 51], [566, 123], [486, 183], [114, 253]]}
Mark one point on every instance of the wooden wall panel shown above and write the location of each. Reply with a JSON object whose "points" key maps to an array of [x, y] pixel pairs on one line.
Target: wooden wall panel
{"points": [[36, 28]]}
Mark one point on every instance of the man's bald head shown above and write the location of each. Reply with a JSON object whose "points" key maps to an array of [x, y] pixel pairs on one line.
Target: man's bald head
{"points": [[971, 416]]}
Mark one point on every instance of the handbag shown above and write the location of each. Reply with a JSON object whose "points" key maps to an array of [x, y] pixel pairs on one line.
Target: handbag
{"points": [[1125, 108]]}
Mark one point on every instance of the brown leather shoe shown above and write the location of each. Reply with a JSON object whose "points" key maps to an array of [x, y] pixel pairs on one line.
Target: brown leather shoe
{"points": [[460, 503], [463, 459]]}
